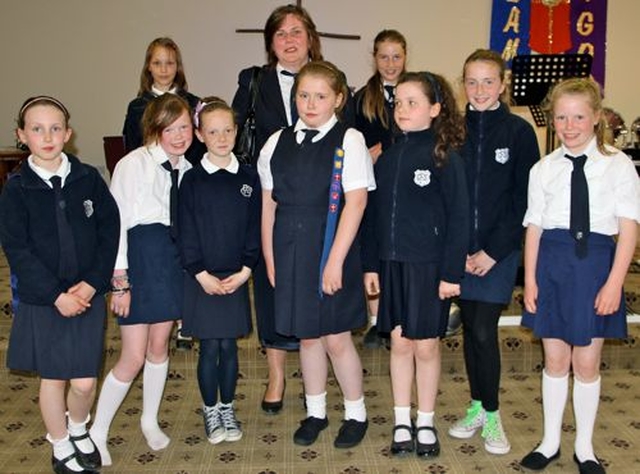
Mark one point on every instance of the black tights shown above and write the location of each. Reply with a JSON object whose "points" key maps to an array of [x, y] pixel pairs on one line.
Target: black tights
{"points": [[482, 350], [217, 369]]}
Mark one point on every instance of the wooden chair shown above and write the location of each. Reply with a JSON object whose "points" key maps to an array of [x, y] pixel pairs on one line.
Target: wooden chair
{"points": [[113, 150]]}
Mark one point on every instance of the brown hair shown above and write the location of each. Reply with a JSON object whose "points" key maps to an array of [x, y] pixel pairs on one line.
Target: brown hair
{"points": [[161, 112], [590, 90], [146, 79], [373, 97], [274, 22], [448, 126], [490, 56], [334, 76], [210, 104], [42, 100]]}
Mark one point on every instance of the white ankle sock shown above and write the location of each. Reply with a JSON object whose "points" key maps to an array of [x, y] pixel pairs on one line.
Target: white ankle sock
{"points": [[153, 381], [555, 391], [425, 419], [78, 429], [316, 405], [586, 397], [373, 320], [355, 409], [63, 448], [111, 396], [402, 416]]}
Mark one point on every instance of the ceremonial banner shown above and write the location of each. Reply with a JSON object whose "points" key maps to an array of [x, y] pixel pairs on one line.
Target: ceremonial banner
{"points": [[520, 27]]}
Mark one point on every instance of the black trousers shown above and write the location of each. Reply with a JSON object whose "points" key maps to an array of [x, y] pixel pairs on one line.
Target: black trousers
{"points": [[482, 350]]}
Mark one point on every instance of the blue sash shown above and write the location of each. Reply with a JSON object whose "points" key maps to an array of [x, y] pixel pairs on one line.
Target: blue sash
{"points": [[335, 193]]}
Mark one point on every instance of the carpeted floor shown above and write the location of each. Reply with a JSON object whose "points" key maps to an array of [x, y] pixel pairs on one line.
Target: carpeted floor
{"points": [[267, 446]]}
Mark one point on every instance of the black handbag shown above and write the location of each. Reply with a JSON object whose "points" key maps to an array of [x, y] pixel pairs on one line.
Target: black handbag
{"points": [[245, 148]]}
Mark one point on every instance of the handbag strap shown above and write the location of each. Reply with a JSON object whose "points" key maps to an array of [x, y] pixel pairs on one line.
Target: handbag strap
{"points": [[254, 85]]}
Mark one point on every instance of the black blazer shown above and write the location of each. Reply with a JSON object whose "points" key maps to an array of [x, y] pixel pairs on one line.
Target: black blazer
{"points": [[270, 112]]}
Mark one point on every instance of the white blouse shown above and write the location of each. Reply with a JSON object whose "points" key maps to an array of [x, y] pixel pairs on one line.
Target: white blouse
{"points": [[142, 188], [614, 190]]}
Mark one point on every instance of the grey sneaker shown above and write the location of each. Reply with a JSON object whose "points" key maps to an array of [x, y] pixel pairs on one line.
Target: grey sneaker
{"points": [[467, 426], [230, 423], [213, 426], [495, 439]]}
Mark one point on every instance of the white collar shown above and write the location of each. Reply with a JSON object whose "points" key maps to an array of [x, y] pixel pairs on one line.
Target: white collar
{"points": [[210, 168], [63, 170]]}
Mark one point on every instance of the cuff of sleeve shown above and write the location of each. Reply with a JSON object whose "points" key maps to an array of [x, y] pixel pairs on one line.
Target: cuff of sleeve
{"points": [[195, 268]]}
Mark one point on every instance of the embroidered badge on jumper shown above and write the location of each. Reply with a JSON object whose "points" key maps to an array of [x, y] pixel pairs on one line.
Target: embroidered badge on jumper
{"points": [[502, 155], [422, 177], [88, 207], [246, 190]]}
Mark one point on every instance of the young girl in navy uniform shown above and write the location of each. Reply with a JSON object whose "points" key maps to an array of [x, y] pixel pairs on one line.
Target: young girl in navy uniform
{"points": [[374, 118], [162, 72], [310, 246], [220, 206], [416, 241], [580, 195], [498, 153], [148, 277], [59, 229]]}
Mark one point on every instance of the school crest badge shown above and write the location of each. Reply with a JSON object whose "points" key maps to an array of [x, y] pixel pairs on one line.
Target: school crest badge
{"points": [[246, 190], [422, 177], [502, 155], [88, 207]]}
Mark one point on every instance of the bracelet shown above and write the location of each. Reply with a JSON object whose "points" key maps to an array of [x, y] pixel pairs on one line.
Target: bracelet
{"points": [[120, 291]]}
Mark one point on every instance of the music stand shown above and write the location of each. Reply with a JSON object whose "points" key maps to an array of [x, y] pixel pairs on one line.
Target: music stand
{"points": [[533, 75]]}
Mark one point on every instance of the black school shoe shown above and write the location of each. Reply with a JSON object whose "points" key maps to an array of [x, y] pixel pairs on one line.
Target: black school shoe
{"points": [[92, 460], [351, 433], [309, 430], [60, 465], [536, 461], [400, 448], [589, 467], [427, 450]]}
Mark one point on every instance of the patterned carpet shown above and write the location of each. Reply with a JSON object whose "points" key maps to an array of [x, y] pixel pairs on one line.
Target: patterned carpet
{"points": [[267, 446]]}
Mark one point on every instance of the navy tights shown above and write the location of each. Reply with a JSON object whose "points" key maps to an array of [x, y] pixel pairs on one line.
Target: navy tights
{"points": [[217, 370]]}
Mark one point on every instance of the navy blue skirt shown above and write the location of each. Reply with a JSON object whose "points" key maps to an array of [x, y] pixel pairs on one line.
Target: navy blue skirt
{"points": [[215, 316], [409, 299], [155, 274], [496, 286], [55, 347], [567, 289]]}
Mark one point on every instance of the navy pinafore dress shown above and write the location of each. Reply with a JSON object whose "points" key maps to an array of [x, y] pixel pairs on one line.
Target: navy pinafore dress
{"points": [[301, 179]]}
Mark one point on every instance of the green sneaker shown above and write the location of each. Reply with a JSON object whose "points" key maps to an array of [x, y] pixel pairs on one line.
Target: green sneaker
{"points": [[495, 439], [467, 426]]}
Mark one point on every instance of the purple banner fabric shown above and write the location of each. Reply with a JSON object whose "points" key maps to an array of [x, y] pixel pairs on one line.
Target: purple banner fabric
{"points": [[589, 33]]}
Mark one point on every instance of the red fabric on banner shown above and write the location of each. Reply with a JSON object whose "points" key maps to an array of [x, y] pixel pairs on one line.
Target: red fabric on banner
{"points": [[550, 31]]}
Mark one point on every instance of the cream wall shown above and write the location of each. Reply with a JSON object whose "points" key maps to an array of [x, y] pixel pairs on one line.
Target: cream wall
{"points": [[88, 53]]}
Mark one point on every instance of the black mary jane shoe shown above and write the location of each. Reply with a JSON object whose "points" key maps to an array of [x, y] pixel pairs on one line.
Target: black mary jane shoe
{"points": [[273, 408], [60, 465], [589, 467], [400, 448], [536, 461], [90, 461], [427, 450]]}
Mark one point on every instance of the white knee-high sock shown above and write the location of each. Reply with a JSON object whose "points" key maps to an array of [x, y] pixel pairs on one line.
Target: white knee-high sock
{"points": [[586, 397], [111, 397], [154, 378], [555, 391]]}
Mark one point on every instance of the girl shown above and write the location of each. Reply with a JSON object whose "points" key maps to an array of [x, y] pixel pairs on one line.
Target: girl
{"points": [[499, 150], [162, 72], [148, 275], [318, 294], [58, 330], [220, 204], [374, 118], [416, 242], [579, 196], [291, 40]]}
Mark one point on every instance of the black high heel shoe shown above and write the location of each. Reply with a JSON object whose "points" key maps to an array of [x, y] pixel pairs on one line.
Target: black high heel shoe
{"points": [[273, 408]]}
